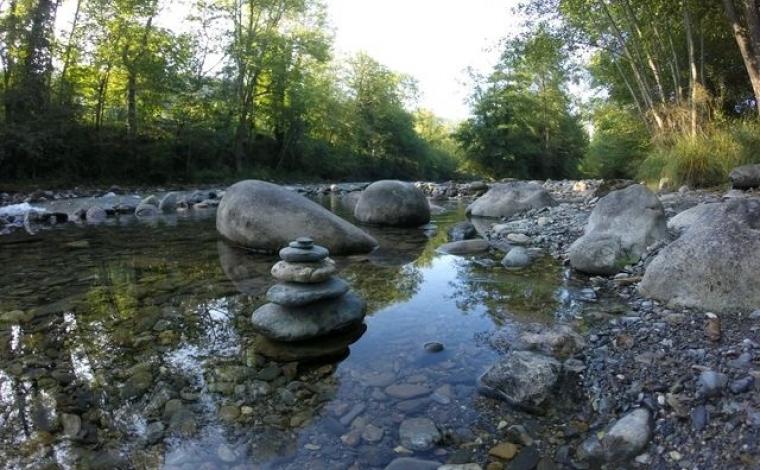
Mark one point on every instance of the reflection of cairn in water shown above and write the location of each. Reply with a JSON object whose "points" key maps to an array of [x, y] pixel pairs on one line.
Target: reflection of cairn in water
{"points": [[311, 311]]}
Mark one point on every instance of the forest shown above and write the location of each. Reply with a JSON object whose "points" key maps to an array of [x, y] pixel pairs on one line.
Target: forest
{"points": [[649, 89]]}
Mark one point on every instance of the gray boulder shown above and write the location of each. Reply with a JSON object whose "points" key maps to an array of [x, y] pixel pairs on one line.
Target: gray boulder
{"points": [[393, 203], [621, 227], [745, 177], [146, 210], [517, 257], [623, 440], [685, 219], [150, 201], [265, 217], [168, 202], [95, 214], [713, 265], [311, 321], [523, 379], [508, 199]]}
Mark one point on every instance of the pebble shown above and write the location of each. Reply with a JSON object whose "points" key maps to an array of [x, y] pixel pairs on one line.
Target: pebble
{"points": [[711, 383], [419, 434], [406, 391], [433, 347], [355, 411], [504, 451], [372, 434]]}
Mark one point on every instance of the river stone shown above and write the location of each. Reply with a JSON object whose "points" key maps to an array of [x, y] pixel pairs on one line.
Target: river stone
{"points": [[523, 379], [684, 220], [419, 434], [168, 202], [265, 217], [95, 214], [150, 201], [405, 391], [745, 177], [310, 321], [308, 273], [462, 231], [146, 210], [713, 265], [300, 255], [518, 257], [623, 440], [621, 227], [508, 199], [464, 247], [394, 203], [291, 294], [410, 463]]}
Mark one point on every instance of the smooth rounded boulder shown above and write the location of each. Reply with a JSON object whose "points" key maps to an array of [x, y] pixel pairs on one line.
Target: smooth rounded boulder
{"points": [[621, 227], [745, 177], [392, 203], [508, 199], [714, 264], [265, 217]]}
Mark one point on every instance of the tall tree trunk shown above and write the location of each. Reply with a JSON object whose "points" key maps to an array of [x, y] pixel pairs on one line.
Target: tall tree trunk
{"points": [[67, 53], [693, 73], [646, 94], [646, 51], [750, 56], [131, 103]]}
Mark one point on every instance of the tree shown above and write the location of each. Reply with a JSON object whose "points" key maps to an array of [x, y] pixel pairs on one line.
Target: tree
{"points": [[522, 123]]}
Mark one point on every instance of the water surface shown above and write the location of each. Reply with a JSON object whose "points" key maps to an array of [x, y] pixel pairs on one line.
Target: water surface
{"points": [[128, 345]]}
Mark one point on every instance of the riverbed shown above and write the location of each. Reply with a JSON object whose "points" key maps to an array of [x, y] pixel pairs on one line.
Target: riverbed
{"points": [[128, 345]]}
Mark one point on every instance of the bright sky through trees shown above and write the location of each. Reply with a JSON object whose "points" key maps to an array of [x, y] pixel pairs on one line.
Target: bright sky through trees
{"points": [[432, 40]]}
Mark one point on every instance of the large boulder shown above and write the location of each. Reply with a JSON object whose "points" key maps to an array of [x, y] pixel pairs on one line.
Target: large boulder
{"points": [[523, 379], [621, 227], [393, 203], [713, 265], [508, 199], [745, 177], [685, 219], [265, 217]]}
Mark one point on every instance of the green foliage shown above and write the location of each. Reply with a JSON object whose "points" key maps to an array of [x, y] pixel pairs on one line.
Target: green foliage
{"points": [[522, 124], [618, 145], [705, 159], [253, 90]]}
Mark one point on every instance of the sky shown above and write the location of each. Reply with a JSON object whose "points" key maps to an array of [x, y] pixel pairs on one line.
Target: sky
{"points": [[432, 40]]}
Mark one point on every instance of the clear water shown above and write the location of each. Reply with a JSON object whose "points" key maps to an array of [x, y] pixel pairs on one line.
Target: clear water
{"points": [[101, 325]]}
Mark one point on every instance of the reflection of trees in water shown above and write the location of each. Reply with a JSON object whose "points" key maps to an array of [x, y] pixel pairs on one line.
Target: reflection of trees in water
{"points": [[528, 294]]}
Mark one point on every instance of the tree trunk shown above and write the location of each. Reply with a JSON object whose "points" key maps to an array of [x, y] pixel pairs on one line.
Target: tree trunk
{"points": [[131, 103], [69, 45], [693, 74], [750, 56]]}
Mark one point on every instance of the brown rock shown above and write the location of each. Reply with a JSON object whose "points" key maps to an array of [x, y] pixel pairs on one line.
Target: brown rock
{"points": [[504, 451]]}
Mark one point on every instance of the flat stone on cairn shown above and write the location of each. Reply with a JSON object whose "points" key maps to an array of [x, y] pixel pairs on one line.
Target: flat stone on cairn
{"points": [[309, 301]]}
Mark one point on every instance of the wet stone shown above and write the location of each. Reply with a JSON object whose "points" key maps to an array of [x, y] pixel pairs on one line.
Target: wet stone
{"points": [[300, 255], [419, 434], [292, 294], [304, 272], [406, 391]]}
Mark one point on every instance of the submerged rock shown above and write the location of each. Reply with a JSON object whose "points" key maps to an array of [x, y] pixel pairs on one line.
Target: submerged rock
{"points": [[713, 264], [620, 229], [508, 199], [265, 217], [523, 379], [517, 257], [419, 434], [393, 203], [462, 231], [464, 247]]}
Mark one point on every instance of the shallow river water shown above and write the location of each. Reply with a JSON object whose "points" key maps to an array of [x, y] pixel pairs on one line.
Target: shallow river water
{"points": [[128, 345]]}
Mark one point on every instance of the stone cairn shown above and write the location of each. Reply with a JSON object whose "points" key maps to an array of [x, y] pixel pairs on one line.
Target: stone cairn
{"points": [[309, 302]]}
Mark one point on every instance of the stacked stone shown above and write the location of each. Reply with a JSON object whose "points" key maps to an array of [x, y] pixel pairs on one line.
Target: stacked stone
{"points": [[309, 301]]}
